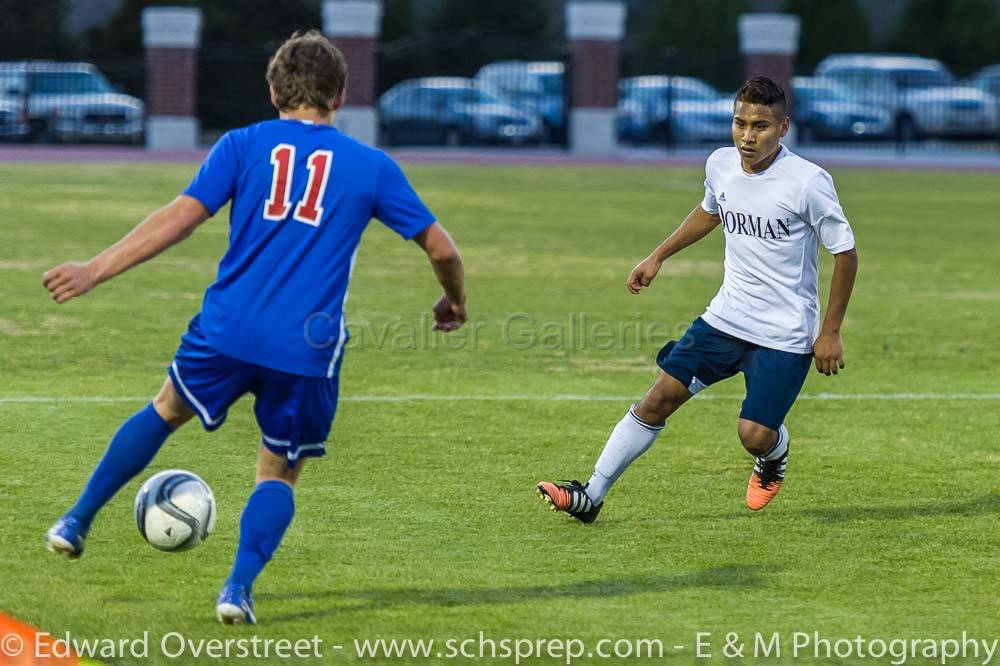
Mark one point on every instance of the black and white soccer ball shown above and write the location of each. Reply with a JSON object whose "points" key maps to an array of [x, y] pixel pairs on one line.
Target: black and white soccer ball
{"points": [[175, 510]]}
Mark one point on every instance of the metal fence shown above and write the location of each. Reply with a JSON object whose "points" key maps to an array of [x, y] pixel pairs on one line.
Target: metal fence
{"points": [[509, 103], [856, 100], [860, 101], [62, 102]]}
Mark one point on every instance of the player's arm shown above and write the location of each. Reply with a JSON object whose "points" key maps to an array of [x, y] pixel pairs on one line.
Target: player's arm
{"points": [[449, 312], [164, 228], [698, 224], [828, 350]]}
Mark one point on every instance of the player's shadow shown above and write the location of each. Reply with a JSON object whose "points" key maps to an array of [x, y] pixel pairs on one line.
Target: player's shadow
{"points": [[734, 577], [980, 505]]}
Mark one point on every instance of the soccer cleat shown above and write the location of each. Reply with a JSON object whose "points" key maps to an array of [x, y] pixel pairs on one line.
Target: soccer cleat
{"points": [[765, 482], [235, 605], [571, 497], [66, 537]]}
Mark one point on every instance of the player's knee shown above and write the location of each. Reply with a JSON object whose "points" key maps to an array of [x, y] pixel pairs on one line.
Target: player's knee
{"points": [[272, 467], [654, 409], [662, 400], [756, 439], [172, 409]]}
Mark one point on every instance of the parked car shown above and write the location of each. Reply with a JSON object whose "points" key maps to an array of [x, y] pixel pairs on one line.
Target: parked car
{"points": [[988, 80], [921, 94], [72, 102], [696, 110], [538, 86], [13, 120], [824, 111], [452, 111]]}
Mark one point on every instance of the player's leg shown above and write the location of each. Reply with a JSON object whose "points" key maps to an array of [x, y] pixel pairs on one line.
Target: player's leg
{"points": [[636, 432], [700, 358], [294, 414], [266, 517], [632, 436], [757, 439], [201, 382], [131, 449], [773, 379]]}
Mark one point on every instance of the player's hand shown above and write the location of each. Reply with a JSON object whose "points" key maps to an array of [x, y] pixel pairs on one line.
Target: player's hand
{"points": [[69, 281], [643, 274], [828, 352], [449, 316]]}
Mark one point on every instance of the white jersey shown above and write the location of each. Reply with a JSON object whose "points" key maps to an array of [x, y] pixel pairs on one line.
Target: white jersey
{"points": [[774, 222]]}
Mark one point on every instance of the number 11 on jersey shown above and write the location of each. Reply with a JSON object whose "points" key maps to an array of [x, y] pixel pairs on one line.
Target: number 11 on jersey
{"points": [[309, 210]]}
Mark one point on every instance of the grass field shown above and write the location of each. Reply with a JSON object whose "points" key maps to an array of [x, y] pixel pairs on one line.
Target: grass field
{"points": [[422, 522]]}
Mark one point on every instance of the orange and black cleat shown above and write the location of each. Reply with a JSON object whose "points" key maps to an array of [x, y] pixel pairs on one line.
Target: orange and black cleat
{"points": [[571, 497], [765, 482]]}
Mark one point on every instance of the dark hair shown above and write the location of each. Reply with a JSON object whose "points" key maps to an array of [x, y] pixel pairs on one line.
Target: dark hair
{"points": [[762, 90], [307, 70]]}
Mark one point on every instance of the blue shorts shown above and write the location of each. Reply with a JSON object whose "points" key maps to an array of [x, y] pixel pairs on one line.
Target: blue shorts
{"points": [[705, 355], [294, 412]]}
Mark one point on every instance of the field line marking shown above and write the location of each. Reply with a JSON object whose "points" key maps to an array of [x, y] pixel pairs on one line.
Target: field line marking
{"points": [[564, 397]]}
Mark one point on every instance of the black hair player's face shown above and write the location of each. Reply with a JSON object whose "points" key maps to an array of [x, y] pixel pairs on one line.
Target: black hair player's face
{"points": [[757, 130]]}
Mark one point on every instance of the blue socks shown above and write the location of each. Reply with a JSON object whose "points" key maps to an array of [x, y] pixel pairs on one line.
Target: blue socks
{"points": [[130, 451], [267, 515]]}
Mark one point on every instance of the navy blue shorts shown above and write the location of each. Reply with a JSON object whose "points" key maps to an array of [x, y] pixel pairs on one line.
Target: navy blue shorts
{"points": [[294, 412], [705, 355]]}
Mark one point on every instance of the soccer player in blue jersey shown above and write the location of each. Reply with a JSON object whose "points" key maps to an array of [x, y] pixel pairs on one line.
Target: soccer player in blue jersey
{"points": [[272, 323]]}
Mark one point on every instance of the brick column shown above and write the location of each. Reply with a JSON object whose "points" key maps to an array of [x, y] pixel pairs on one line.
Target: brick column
{"points": [[171, 36], [594, 31], [354, 26], [769, 44]]}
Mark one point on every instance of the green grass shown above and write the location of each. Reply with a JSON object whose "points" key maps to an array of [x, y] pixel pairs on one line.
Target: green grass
{"points": [[422, 523]]}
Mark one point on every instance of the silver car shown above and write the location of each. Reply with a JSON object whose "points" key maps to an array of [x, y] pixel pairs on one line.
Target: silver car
{"points": [[988, 80], [13, 120], [452, 111], [824, 111], [538, 86], [920, 93], [71, 102], [653, 109]]}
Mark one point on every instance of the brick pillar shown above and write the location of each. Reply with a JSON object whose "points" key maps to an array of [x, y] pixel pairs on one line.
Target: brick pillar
{"points": [[594, 31], [769, 44], [171, 36], [354, 26]]}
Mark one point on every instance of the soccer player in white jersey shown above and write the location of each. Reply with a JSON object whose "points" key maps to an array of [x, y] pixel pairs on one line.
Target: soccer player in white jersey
{"points": [[775, 209]]}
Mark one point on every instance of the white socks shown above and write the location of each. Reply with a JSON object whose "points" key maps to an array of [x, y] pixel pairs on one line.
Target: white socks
{"points": [[780, 447], [630, 439]]}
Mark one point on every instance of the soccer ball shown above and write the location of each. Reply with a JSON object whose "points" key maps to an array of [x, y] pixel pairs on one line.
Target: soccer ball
{"points": [[175, 510]]}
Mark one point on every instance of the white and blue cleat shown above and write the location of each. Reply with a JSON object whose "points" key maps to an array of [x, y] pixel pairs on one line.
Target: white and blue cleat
{"points": [[66, 537], [235, 605]]}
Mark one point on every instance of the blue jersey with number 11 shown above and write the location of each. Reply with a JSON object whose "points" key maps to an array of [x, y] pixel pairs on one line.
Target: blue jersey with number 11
{"points": [[302, 194]]}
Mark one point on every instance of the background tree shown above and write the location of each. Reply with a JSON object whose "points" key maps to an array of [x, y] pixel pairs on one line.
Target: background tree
{"points": [[829, 27], [238, 39], [965, 34], [404, 44], [26, 30], [701, 34], [466, 35]]}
